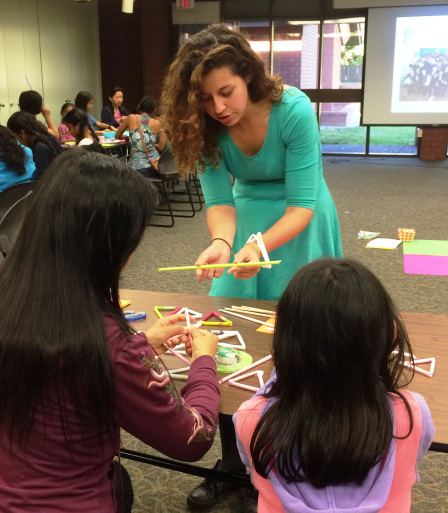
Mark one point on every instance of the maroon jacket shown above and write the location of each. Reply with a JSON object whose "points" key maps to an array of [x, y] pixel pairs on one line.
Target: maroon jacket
{"points": [[47, 476]]}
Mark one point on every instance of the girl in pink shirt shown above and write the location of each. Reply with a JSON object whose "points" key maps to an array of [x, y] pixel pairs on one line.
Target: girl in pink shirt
{"points": [[332, 431]]}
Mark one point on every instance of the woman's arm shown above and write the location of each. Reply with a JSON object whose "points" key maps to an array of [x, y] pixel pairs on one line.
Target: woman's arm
{"points": [[221, 222], [124, 126]]}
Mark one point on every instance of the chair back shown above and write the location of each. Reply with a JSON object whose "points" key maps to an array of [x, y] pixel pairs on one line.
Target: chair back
{"points": [[11, 222], [167, 166], [12, 194]]}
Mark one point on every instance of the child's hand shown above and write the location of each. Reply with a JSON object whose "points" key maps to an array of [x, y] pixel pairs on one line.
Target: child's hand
{"points": [[203, 343], [164, 329]]}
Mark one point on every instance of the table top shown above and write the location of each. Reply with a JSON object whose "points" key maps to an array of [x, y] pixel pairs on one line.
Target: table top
{"points": [[427, 333]]}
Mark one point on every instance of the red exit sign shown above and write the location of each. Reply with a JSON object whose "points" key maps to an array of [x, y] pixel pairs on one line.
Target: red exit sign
{"points": [[185, 4]]}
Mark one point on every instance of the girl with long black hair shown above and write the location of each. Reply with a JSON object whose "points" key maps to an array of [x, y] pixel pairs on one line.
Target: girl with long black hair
{"points": [[72, 371], [332, 430], [79, 127], [33, 134]]}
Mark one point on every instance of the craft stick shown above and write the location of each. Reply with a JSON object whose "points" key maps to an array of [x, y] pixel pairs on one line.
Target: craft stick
{"points": [[256, 310], [219, 266], [251, 366], [175, 353], [250, 319]]}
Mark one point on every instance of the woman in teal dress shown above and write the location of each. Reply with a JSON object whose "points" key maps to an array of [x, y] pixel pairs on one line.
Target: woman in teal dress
{"points": [[225, 116], [225, 112]]}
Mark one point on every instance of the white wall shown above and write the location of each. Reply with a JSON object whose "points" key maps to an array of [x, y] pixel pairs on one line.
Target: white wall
{"points": [[51, 46]]}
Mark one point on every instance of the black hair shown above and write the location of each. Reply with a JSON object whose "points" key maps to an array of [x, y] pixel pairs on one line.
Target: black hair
{"points": [[80, 117], [115, 90], [25, 121], [87, 216], [330, 420], [68, 104], [31, 101], [147, 104], [11, 152], [82, 99]]}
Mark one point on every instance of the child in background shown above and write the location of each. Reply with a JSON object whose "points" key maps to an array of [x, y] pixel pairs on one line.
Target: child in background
{"points": [[331, 429], [34, 134], [64, 133], [32, 102], [84, 101], [16, 160], [72, 370], [79, 127]]}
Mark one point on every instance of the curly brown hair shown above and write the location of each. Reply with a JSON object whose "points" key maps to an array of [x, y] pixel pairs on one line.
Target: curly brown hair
{"points": [[192, 134]]}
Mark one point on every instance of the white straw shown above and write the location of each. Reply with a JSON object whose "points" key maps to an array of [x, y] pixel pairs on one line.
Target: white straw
{"points": [[251, 366], [248, 318], [256, 309]]}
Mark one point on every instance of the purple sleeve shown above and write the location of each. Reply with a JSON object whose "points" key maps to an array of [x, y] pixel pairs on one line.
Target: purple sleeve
{"points": [[239, 444], [148, 406], [428, 429]]}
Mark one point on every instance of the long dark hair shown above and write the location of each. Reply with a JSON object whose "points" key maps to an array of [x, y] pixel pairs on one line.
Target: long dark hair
{"points": [[61, 278], [82, 99], [79, 117], [11, 152], [25, 121], [330, 420]]}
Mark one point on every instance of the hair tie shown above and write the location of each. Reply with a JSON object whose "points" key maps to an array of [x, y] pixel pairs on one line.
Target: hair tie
{"points": [[224, 240]]}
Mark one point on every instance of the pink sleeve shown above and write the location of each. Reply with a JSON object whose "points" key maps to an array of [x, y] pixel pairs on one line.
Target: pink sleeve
{"points": [[64, 134], [148, 406]]}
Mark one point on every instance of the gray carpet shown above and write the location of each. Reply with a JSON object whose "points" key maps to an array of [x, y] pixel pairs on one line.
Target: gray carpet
{"points": [[373, 194]]}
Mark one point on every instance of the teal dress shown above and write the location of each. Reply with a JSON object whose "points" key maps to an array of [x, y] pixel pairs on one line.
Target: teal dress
{"points": [[286, 172]]}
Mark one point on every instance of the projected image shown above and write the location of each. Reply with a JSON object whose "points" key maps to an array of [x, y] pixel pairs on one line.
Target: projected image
{"points": [[420, 73]]}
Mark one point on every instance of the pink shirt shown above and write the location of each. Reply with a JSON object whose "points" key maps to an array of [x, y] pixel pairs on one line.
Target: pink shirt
{"points": [[64, 134]]}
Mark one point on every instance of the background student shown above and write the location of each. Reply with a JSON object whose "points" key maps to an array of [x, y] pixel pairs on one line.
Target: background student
{"points": [[16, 160], [34, 134], [32, 102], [84, 101], [114, 113], [154, 137], [333, 430], [72, 370], [78, 125], [64, 133]]}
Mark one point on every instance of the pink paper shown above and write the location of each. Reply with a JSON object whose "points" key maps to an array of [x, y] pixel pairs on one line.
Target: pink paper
{"points": [[426, 264]]}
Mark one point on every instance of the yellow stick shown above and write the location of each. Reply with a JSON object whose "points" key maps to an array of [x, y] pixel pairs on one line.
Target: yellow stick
{"points": [[219, 266]]}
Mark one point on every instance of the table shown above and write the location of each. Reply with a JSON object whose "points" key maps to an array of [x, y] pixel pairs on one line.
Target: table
{"points": [[427, 332]]}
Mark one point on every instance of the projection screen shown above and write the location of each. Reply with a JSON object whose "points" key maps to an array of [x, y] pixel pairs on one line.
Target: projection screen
{"points": [[406, 66]]}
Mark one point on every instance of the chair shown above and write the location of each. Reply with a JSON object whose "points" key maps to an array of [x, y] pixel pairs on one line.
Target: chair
{"points": [[174, 189], [14, 201], [12, 194]]}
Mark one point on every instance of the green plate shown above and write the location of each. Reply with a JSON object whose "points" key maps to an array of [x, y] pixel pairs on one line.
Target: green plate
{"points": [[245, 360]]}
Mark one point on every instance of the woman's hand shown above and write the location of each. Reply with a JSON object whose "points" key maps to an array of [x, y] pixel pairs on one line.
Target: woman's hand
{"points": [[203, 343], [217, 253], [122, 119], [164, 329], [248, 253]]}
